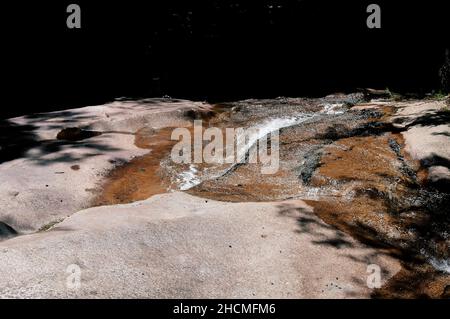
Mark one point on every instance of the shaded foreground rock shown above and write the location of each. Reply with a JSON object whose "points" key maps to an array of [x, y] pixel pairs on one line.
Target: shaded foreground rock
{"points": [[179, 246]]}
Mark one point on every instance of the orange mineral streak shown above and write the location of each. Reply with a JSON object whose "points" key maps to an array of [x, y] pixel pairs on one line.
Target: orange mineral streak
{"points": [[364, 172], [366, 166], [413, 282], [372, 166], [141, 177], [246, 184]]}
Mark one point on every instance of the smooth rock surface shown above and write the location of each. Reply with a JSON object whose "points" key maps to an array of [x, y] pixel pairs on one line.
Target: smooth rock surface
{"points": [[180, 246], [427, 137], [41, 187]]}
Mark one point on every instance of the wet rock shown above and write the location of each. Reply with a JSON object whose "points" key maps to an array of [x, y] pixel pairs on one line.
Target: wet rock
{"points": [[405, 169], [335, 132], [395, 147], [346, 99], [371, 128], [310, 164], [76, 134], [356, 123], [366, 114], [199, 114]]}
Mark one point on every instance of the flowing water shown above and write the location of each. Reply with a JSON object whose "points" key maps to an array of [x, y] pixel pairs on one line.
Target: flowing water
{"points": [[350, 165]]}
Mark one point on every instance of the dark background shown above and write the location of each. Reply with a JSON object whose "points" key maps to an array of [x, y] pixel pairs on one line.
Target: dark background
{"points": [[214, 50]]}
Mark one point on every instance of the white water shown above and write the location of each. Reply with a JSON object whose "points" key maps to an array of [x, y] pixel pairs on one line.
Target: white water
{"points": [[440, 264], [264, 129], [190, 178]]}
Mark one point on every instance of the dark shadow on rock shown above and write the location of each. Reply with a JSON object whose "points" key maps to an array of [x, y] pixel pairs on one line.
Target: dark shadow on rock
{"points": [[66, 116], [435, 160], [75, 134], [310, 164], [428, 119], [91, 149], [15, 140], [370, 94], [193, 114], [324, 234], [6, 231], [411, 281], [340, 131], [443, 182], [337, 243], [446, 293], [441, 133]]}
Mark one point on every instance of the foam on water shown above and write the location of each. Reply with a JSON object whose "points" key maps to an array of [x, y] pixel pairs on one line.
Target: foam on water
{"points": [[265, 128], [440, 264], [189, 178], [270, 126]]}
